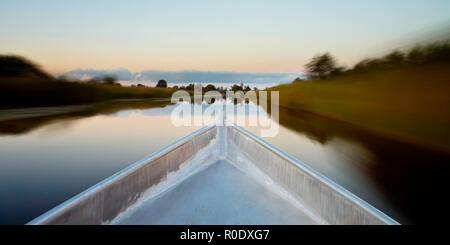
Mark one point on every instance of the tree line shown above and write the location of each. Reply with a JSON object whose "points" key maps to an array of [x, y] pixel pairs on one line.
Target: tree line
{"points": [[208, 87], [324, 66]]}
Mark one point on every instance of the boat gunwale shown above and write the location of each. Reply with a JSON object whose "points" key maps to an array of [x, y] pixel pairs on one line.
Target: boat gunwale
{"points": [[117, 176], [317, 175]]}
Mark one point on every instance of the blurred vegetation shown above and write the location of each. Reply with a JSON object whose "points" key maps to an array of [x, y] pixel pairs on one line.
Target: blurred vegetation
{"points": [[404, 95], [24, 84], [161, 84], [324, 66]]}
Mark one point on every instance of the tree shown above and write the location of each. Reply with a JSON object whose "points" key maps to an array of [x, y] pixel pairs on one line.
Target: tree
{"points": [[338, 71], [236, 87], [321, 66], [14, 66], [109, 80], [190, 87], [210, 87], [297, 80], [394, 59], [161, 84]]}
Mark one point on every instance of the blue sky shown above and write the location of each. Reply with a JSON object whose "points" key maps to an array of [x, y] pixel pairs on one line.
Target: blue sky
{"points": [[239, 36]]}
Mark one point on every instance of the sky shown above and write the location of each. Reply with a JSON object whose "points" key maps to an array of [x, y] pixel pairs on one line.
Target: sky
{"points": [[234, 36]]}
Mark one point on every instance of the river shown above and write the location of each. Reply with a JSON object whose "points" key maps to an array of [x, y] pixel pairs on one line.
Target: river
{"points": [[46, 158]]}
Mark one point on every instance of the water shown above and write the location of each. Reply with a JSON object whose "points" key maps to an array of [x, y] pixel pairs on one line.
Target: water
{"points": [[47, 159]]}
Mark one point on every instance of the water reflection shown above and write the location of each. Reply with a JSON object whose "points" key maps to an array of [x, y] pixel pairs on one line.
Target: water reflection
{"points": [[19, 121], [403, 180], [47, 159], [42, 167]]}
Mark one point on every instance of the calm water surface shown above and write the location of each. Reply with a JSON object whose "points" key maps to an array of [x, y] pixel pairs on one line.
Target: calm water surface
{"points": [[44, 161]]}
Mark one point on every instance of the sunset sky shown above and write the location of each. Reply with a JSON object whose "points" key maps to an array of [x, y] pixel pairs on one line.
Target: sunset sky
{"points": [[241, 36]]}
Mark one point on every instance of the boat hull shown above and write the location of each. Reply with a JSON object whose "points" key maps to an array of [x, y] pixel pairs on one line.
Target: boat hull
{"points": [[220, 174]]}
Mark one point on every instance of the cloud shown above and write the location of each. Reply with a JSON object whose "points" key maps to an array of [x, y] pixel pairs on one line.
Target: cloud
{"points": [[187, 76], [82, 74], [86, 77]]}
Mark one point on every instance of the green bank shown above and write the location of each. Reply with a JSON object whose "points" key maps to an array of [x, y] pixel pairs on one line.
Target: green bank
{"points": [[408, 99], [24, 84]]}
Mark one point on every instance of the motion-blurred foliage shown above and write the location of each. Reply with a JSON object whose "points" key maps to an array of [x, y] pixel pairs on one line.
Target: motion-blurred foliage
{"points": [[324, 66], [404, 95], [24, 84]]}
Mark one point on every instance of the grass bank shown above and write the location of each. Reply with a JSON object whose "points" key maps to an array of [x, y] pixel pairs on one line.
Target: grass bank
{"points": [[24, 84], [29, 92], [409, 103]]}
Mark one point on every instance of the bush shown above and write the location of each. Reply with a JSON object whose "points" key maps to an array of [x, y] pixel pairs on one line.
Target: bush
{"points": [[161, 84]]}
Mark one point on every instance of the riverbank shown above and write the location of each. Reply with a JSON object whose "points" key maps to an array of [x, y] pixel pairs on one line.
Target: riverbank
{"points": [[24, 84], [25, 92], [406, 103]]}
